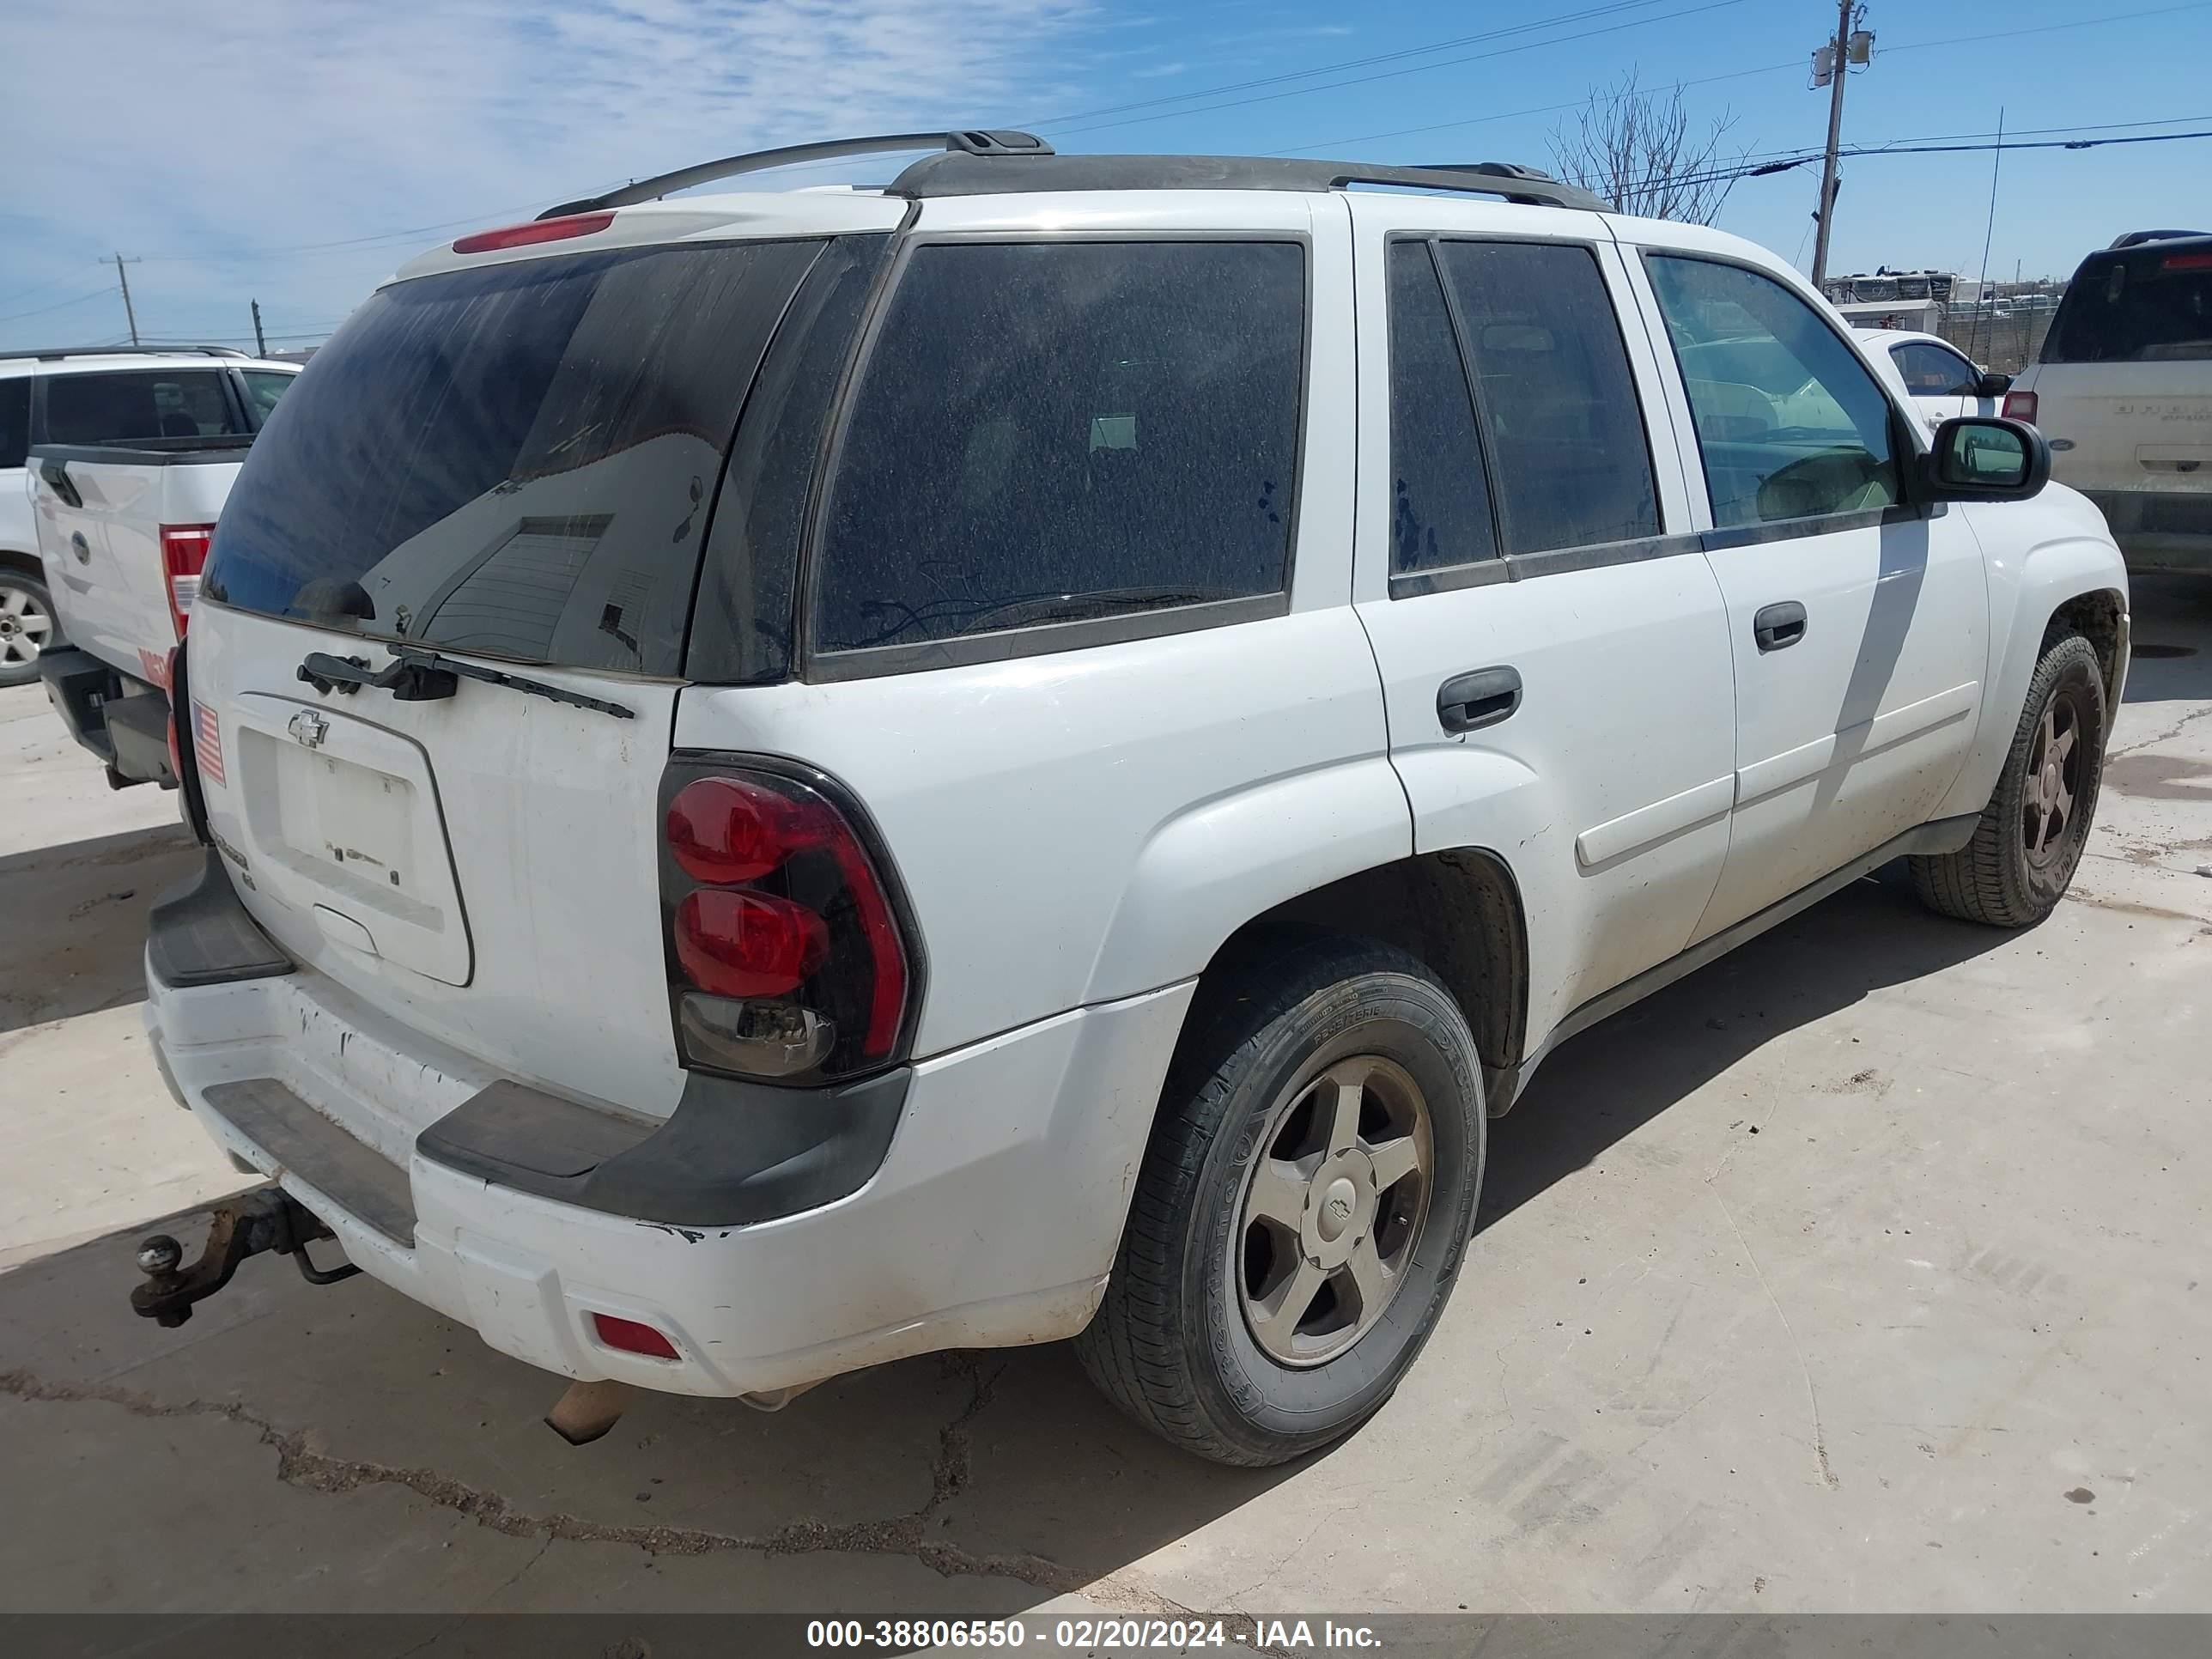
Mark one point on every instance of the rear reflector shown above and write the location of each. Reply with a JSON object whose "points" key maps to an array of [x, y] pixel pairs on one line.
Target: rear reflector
{"points": [[631, 1337], [184, 555], [2020, 406], [537, 230]]}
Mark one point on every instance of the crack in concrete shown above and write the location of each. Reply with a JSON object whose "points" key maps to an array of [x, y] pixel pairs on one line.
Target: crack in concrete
{"points": [[301, 1466], [2174, 731]]}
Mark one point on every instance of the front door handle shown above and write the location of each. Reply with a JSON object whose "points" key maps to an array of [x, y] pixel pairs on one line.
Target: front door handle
{"points": [[1778, 626], [1466, 702]]}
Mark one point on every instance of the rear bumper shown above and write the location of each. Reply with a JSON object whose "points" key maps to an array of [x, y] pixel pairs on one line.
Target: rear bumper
{"points": [[2158, 530], [125, 723], [988, 1216]]}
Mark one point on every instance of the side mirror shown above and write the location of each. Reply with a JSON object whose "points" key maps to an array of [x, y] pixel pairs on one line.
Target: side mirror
{"points": [[1991, 384], [1979, 458]]}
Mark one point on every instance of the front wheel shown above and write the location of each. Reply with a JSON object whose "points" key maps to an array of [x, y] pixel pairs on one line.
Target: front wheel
{"points": [[1304, 1208], [2033, 832]]}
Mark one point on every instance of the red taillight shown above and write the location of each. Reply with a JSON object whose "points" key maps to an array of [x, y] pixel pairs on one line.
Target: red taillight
{"points": [[2187, 262], [184, 555], [632, 1337], [786, 954], [2020, 406], [725, 830], [537, 230], [736, 944]]}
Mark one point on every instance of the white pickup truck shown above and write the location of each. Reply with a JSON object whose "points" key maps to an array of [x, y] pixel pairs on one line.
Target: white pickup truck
{"points": [[123, 531]]}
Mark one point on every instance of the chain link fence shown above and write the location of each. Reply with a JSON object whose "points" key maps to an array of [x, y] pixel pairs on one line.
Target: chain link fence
{"points": [[2006, 344]]}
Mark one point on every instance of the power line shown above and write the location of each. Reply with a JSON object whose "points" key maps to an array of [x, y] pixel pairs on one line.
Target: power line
{"points": [[1766, 168], [1350, 63], [1794, 64], [99, 292], [1417, 69]]}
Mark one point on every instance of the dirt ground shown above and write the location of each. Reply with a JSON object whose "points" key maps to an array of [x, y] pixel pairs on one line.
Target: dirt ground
{"points": [[1864, 1270]]}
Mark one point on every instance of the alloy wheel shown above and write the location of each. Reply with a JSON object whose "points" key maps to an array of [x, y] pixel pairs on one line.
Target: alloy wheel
{"points": [[1332, 1208], [2054, 777], [25, 625]]}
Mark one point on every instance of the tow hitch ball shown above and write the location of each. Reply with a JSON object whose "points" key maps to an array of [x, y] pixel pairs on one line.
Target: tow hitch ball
{"points": [[271, 1220]]}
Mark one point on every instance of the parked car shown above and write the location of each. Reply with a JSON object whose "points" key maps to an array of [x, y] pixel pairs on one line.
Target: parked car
{"points": [[792, 779], [1939, 378], [97, 396], [2123, 388], [124, 530]]}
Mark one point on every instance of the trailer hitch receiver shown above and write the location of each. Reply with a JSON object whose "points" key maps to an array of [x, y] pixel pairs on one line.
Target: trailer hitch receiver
{"points": [[270, 1219]]}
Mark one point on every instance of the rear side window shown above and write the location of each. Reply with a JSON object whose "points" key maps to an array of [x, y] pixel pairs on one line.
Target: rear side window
{"points": [[1439, 499], [264, 386], [1558, 403], [2142, 306], [1060, 431], [14, 420], [131, 405], [517, 460]]}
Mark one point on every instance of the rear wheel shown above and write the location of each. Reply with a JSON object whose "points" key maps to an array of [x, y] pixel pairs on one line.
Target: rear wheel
{"points": [[2033, 832], [27, 625], [1304, 1208]]}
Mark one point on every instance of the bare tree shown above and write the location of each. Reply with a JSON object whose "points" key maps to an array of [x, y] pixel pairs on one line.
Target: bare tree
{"points": [[1637, 150]]}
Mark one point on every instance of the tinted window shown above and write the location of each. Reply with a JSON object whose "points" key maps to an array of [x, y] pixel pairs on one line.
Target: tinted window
{"points": [[121, 407], [1052, 431], [1792, 423], [1439, 499], [517, 460], [1931, 371], [14, 419], [1558, 405], [743, 628], [264, 386], [2144, 306]]}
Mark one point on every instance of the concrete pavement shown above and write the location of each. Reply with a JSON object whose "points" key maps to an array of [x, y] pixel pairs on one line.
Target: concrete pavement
{"points": [[1864, 1270]]}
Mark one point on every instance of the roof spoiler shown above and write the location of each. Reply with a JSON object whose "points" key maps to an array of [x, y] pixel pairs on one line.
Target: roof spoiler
{"points": [[2138, 237], [970, 142]]}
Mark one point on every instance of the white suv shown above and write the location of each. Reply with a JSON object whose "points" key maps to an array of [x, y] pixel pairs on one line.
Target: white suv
{"points": [[796, 778], [2123, 389]]}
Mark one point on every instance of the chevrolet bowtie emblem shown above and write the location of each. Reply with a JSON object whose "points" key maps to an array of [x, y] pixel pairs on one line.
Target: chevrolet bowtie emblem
{"points": [[309, 727]]}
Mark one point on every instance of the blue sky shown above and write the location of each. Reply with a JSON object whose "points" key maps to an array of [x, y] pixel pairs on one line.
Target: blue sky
{"points": [[296, 150]]}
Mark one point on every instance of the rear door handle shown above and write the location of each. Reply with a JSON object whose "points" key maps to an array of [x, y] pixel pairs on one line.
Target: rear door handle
{"points": [[1778, 626], [1466, 702]]}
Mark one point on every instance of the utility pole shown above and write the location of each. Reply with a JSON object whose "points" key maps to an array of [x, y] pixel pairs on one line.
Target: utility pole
{"points": [[131, 316], [260, 345], [1830, 65]]}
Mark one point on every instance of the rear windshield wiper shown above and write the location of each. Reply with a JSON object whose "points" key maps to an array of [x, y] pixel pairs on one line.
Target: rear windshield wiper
{"points": [[417, 676]]}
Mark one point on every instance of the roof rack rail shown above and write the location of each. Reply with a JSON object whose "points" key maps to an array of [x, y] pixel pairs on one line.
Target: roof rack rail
{"points": [[969, 142], [976, 174], [53, 352]]}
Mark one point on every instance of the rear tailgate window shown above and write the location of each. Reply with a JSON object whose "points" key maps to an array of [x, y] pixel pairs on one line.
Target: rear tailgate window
{"points": [[516, 461], [2144, 305]]}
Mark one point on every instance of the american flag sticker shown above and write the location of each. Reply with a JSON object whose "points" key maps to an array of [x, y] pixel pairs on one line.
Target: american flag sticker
{"points": [[207, 741]]}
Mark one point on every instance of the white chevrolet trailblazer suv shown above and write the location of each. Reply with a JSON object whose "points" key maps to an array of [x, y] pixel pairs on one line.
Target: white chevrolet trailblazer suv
{"points": [[795, 779]]}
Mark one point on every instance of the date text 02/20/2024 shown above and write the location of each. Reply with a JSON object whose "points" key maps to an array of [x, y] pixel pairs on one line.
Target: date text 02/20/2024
{"points": [[902, 1635]]}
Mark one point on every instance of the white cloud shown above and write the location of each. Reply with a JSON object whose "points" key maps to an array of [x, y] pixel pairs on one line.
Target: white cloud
{"points": [[166, 129]]}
